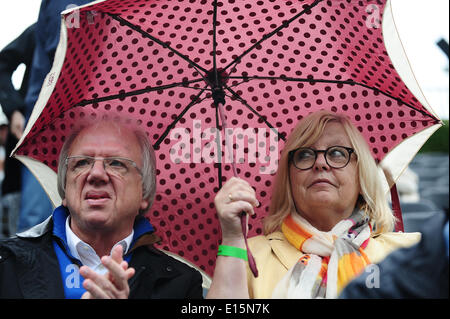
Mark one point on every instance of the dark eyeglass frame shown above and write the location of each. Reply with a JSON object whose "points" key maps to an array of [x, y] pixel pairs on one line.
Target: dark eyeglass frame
{"points": [[103, 159], [348, 149]]}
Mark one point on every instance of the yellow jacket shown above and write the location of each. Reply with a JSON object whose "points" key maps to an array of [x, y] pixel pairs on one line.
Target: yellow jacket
{"points": [[274, 256]]}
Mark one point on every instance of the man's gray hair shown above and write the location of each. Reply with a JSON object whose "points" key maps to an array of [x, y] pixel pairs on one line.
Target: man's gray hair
{"points": [[148, 167]]}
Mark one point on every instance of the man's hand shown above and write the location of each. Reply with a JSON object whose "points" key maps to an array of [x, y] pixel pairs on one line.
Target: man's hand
{"points": [[112, 285]]}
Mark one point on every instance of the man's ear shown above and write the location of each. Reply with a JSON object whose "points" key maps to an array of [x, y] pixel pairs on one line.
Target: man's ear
{"points": [[64, 202], [144, 204]]}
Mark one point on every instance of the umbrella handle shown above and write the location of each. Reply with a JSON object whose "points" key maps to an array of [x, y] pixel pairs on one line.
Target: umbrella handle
{"points": [[397, 209], [251, 260], [220, 103]]}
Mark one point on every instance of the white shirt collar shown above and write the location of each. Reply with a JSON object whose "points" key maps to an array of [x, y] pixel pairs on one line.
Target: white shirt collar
{"points": [[86, 254]]}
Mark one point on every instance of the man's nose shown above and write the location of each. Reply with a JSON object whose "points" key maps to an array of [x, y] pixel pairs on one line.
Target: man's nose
{"points": [[98, 172]]}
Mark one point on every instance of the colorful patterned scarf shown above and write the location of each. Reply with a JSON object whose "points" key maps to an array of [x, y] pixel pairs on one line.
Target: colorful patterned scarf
{"points": [[331, 258]]}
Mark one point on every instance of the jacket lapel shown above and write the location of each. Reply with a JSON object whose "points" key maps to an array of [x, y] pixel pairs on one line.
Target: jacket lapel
{"points": [[285, 252]]}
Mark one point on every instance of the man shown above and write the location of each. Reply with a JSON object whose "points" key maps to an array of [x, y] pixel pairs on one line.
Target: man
{"points": [[106, 178]]}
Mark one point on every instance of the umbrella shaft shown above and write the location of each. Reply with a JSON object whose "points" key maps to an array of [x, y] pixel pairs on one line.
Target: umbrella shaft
{"points": [[227, 141]]}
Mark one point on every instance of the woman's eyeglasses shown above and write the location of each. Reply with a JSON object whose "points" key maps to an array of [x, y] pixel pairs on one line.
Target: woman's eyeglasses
{"points": [[304, 158]]}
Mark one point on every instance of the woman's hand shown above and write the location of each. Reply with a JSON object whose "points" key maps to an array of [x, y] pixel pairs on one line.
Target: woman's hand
{"points": [[235, 196], [230, 275]]}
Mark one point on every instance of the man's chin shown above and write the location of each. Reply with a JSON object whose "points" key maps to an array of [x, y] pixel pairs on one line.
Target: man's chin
{"points": [[97, 221], [96, 213]]}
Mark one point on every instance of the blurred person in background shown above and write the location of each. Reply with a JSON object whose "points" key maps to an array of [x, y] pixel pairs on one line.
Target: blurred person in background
{"points": [[35, 206], [408, 186], [3, 133], [20, 51], [420, 271]]}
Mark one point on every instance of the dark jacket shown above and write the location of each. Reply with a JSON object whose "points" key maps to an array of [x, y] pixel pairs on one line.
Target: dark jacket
{"points": [[17, 52], [29, 268], [420, 271]]}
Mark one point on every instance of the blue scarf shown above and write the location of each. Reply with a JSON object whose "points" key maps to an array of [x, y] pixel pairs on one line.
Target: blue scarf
{"points": [[69, 265]]}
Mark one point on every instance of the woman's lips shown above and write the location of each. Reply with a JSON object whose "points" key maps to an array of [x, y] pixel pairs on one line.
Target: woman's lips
{"points": [[321, 181]]}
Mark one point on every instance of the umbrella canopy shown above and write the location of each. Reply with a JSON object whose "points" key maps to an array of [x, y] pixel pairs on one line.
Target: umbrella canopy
{"points": [[168, 65]]}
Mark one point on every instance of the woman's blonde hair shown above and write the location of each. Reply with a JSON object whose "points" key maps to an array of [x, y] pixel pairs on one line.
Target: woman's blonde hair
{"points": [[372, 199]]}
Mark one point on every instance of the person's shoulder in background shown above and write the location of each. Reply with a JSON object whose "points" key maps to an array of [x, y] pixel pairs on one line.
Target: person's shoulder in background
{"points": [[419, 271]]}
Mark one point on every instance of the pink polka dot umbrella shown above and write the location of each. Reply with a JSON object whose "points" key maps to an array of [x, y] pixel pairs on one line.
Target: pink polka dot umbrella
{"points": [[179, 69]]}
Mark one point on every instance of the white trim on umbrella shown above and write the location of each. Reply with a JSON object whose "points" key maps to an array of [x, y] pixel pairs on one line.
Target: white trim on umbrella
{"points": [[399, 157], [45, 176], [49, 83], [397, 53], [67, 11]]}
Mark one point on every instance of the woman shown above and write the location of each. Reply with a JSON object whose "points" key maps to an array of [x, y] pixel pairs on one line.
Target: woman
{"points": [[328, 218]]}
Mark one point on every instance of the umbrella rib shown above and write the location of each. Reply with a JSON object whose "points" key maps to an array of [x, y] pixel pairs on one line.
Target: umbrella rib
{"points": [[285, 24], [164, 45], [136, 92], [179, 117], [113, 97], [349, 82], [237, 96]]}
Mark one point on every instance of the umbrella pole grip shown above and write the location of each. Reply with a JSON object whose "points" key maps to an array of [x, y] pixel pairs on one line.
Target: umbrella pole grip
{"points": [[227, 142], [251, 260]]}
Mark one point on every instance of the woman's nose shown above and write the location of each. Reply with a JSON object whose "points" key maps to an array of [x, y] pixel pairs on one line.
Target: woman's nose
{"points": [[321, 162]]}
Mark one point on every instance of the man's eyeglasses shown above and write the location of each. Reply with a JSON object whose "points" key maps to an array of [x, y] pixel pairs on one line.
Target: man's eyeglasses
{"points": [[304, 158], [118, 166]]}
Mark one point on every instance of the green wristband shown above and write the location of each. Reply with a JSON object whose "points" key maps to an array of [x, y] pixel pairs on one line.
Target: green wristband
{"points": [[232, 252]]}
